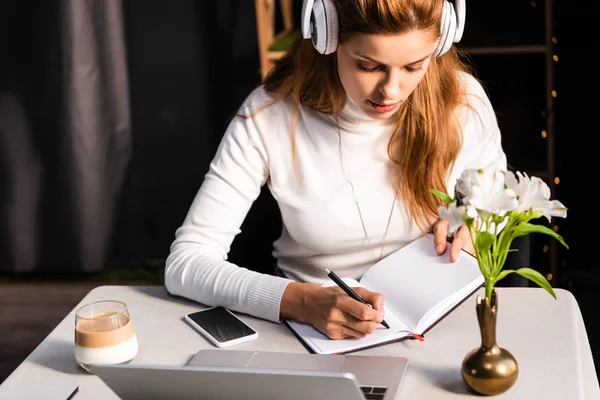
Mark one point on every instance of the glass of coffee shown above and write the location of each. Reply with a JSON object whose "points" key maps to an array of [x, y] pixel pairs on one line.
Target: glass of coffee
{"points": [[104, 334]]}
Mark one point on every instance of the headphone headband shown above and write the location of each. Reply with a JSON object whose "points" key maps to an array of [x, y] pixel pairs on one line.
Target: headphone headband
{"points": [[319, 22]]}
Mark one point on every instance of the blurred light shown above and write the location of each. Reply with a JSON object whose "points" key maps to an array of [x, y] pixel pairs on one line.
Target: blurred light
{"points": [[545, 249], [555, 58], [555, 228], [554, 40], [543, 113], [549, 277], [556, 180], [544, 134], [533, 4], [554, 93]]}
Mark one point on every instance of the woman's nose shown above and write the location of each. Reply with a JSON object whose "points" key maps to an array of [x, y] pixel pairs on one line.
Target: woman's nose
{"points": [[390, 86]]}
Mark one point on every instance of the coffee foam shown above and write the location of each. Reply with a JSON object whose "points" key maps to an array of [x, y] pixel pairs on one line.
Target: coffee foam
{"points": [[103, 330]]}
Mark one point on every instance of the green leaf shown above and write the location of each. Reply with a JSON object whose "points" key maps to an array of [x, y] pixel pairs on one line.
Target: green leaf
{"points": [[503, 274], [484, 240], [443, 196], [526, 228], [537, 278]]}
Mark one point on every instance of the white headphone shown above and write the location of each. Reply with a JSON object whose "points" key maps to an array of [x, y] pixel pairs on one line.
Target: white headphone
{"points": [[320, 23]]}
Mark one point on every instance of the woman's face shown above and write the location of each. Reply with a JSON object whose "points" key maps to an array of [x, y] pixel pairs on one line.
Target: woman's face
{"points": [[379, 72]]}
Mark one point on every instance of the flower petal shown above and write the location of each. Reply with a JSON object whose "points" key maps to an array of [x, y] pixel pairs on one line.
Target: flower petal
{"points": [[454, 215]]}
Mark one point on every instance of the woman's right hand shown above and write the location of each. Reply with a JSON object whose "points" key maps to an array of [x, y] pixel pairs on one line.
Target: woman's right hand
{"points": [[331, 311]]}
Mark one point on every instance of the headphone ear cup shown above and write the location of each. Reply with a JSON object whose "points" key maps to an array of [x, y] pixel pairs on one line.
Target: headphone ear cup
{"points": [[461, 16], [320, 24], [448, 31], [331, 18]]}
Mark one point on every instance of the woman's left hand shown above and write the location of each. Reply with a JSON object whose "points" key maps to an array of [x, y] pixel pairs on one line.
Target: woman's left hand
{"points": [[461, 240]]}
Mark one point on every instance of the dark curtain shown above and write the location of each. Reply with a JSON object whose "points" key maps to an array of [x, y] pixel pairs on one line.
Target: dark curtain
{"points": [[110, 113], [65, 132]]}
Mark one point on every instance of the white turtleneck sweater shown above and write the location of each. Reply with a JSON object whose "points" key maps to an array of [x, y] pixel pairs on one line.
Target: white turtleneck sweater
{"points": [[321, 223]]}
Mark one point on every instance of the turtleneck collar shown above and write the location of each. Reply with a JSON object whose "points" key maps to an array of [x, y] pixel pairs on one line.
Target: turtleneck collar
{"points": [[354, 115]]}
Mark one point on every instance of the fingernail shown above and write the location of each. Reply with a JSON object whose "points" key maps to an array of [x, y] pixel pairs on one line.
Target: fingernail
{"points": [[439, 248]]}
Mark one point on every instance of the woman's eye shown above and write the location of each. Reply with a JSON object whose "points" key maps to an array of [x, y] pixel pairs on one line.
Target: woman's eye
{"points": [[413, 70], [368, 68]]}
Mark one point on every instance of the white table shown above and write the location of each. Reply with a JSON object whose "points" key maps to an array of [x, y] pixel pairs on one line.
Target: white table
{"points": [[547, 337]]}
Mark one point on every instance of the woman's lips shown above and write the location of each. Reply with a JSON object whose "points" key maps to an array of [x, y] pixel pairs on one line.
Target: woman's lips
{"points": [[383, 108]]}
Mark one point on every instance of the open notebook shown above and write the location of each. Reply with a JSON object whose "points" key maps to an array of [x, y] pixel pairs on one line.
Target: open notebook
{"points": [[419, 287]]}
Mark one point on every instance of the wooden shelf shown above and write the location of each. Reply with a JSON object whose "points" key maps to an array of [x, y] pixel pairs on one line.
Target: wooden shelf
{"points": [[545, 50], [271, 44], [497, 50]]}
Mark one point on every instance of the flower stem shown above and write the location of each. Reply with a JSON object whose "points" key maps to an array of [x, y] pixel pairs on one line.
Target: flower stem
{"points": [[489, 287]]}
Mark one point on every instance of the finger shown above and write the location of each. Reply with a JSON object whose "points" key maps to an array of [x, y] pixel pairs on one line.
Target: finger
{"points": [[345, 331], [339, 330], [440, 236], [363, 327], [357, 309], [375, 299], [461, 240]]}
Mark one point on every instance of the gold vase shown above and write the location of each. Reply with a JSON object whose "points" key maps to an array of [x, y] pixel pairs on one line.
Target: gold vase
{"points": [[489, 369]]}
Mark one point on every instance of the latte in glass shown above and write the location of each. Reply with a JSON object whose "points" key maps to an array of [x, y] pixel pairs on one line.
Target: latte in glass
{"points": [[104, 334]]}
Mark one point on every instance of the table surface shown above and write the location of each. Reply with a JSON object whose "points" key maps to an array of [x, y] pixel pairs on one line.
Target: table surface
{"points": [[547, 337]]}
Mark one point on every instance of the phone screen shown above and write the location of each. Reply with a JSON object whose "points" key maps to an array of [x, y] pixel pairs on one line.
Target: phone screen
{"points": [[221, 324]]}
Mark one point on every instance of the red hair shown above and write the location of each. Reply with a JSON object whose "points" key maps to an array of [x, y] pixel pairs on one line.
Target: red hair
{"points": [[427, 139]]}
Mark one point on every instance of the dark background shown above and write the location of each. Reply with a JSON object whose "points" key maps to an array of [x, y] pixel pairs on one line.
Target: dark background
{"points": [[191, 63]]}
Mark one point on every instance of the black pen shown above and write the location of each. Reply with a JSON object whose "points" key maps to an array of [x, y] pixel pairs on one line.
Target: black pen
{"points": [[349, 291], [73, 393]]}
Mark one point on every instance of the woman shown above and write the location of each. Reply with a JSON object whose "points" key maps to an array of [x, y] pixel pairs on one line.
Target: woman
{"points": [[349, 131]]}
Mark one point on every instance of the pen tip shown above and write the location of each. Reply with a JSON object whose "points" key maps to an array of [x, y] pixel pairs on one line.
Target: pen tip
{"points": [[326, 270]]}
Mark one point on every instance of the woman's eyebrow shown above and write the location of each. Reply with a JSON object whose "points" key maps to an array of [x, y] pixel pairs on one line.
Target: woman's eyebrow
{"points": [[379, 62]]}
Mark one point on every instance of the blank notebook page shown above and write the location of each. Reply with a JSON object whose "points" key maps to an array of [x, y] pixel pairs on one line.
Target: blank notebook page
{"points": [[412, 289]]}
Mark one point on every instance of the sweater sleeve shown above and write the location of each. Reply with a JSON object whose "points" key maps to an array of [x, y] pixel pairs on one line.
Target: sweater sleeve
{"points": [[197, 266]]}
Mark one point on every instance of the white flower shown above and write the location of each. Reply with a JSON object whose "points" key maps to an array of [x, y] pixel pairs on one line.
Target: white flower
{"points": [[555, 209], [464, 183], [455, 215], [534, 194], [496, 206], [485, 190]]}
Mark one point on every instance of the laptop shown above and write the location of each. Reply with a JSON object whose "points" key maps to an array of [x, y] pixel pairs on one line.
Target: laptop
{"points": [[223, 374]]}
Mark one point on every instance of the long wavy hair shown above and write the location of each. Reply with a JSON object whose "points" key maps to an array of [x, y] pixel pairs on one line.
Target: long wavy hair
{"points": [[427, 138]]}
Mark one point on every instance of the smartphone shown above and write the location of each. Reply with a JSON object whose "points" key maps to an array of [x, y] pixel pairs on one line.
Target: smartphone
{"points": [[221, 327]]}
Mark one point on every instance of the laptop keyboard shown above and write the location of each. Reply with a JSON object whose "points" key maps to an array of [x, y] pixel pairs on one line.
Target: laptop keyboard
{"points": [[373, 392]]}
